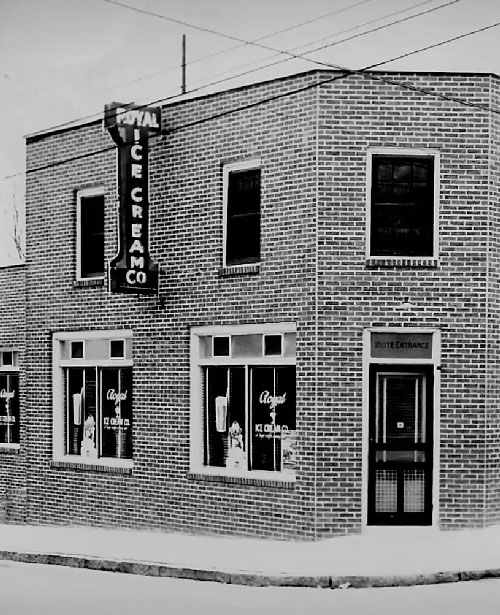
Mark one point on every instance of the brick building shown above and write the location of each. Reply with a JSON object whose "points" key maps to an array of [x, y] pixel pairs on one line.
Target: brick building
{"points": [[322, 352]]}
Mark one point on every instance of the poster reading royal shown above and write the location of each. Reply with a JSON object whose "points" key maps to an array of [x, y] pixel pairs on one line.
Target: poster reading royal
{"points": [[132, 270]]}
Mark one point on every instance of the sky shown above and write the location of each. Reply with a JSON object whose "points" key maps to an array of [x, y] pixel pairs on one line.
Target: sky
{"points": [[61, 60]]}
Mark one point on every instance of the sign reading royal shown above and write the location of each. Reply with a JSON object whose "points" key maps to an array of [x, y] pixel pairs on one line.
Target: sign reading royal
{"points": [[132, 270]]}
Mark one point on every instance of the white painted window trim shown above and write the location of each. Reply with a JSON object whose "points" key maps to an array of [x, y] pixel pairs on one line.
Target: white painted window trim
{"points": [[81, 195], [196, 439], [11, 369], [410, 152], [15, 359], [369, 360], [58, 364], [243, 165]]}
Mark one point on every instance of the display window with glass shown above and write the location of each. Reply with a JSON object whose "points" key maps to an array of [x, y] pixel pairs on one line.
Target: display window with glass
{"points": [[93, 395], [244, 411], [9, 398]]}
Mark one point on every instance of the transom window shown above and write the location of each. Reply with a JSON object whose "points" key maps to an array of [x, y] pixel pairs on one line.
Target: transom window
{"points": [[242, 213], [402, 205]]}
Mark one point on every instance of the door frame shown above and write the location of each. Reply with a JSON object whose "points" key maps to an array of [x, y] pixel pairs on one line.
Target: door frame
{"points": [[435, 362]]}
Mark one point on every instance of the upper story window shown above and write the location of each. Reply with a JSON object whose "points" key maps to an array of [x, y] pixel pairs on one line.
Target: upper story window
{"points": [[9, 397], [242, 213], [403, 200], [90, 234]]}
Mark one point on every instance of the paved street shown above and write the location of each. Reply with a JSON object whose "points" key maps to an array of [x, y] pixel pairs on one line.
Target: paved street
{"points": [[28, 589]]}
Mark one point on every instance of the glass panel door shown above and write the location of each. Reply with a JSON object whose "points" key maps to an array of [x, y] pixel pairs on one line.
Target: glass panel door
{"points": [[400, 451]]}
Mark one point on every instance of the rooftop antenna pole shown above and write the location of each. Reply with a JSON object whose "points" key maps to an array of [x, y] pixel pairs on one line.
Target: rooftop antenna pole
{"points": [[183, 64]]}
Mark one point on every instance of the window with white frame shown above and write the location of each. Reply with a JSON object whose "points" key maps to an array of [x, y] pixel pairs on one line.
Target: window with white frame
{"points": [[242, 213], [90, 234], [93, 395], [244, 411], [9, 397], [402, 203]]}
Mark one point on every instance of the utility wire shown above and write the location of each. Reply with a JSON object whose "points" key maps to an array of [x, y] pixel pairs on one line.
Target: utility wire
{"points": [[305, 45], [346, 73], [267, 47], [227, 50], [277, 53]]}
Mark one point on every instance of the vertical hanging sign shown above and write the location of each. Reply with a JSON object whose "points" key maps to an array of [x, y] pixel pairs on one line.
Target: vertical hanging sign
{"points": [[132, 270]]}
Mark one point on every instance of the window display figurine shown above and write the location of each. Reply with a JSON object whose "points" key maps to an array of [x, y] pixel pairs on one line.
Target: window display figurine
{"points": [[236, 457], [88, 442]]}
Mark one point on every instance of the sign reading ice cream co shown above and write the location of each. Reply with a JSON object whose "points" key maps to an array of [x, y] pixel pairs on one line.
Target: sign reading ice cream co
{"points": [[401, 345], [132, 270]]}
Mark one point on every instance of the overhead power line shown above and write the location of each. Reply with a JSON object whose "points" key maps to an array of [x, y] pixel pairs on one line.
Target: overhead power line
{"points": [[305, 45], [346, 73], [259, 44], [278, 52], [227, 50]]}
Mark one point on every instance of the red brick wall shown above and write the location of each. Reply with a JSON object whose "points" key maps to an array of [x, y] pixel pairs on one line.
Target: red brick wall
{"points": [[186, 240], [12, 335], [313, 150], [492, 418], [356, 114]]}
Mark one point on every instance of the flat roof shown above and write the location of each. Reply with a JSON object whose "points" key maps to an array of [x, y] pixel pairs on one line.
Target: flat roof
{"points": [[185, 98]]}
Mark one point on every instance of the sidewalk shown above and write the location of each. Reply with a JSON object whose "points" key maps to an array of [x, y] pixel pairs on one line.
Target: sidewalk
{"points": [[379, 557]]}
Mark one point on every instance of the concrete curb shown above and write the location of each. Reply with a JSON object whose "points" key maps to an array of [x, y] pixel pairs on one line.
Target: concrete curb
{"points": [[255, 579]]}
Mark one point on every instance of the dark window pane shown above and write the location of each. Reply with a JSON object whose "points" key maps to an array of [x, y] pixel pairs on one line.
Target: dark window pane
{"points": [[9, 408], [7, 357], [216, 387], [401, 230], [76, 407], [92, 237], [402, 173], [243, 192], [243, 239], [402, 210], [117, 349], [273, 417], [221, 346], [77, 350], [116, 420], [225, 429], [243, 217], [237, 433], [272, 345]]}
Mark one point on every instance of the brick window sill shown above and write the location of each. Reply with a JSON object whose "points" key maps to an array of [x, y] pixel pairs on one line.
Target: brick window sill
{"points": [[243, 480], [93, 283], [402, 263], [91, 467], [239, 270], [9, 449]]}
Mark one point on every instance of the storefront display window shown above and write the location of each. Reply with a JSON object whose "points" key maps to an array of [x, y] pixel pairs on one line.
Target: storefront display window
{"points": [[99, 412], [9, 398], [248, 404], [93, 393]]}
